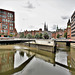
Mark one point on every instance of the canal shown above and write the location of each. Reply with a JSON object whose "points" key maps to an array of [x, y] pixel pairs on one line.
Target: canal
{"points": [[19, 59]]}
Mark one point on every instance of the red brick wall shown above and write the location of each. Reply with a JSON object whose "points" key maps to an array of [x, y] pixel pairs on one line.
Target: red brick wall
{"points": [[8, 19], [54, 35]]}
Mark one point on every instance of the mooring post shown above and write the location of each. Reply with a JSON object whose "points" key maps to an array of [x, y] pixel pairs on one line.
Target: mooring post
{"points": [[55, 46], [29, 44], [35, 41], [68, 44]]}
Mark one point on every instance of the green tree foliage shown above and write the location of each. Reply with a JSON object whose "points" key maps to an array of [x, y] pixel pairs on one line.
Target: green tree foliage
{"points": [[29, 36], [11, 35], [65, 34], [37, 36], [33, 36], [22, 35], [58, 36], [41, 36], [46, 36]]}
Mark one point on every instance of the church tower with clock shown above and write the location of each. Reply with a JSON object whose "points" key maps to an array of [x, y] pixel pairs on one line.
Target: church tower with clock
{"points": [[69, 29]]}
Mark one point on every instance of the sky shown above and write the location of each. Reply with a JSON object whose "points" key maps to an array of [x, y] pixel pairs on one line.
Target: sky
{"points": [[32, 14]]}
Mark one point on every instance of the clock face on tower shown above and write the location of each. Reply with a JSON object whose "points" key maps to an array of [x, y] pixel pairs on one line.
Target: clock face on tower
{"points": [[69, 26]]}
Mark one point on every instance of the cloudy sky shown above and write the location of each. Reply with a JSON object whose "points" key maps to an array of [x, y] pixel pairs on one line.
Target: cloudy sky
{"points": [[31, 14]]}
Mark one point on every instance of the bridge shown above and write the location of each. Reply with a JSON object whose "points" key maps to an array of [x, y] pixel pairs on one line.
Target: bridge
{"points": [[14, 41], [67, 41]]}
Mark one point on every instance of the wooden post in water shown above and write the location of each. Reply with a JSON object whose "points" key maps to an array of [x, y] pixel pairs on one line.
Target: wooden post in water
{"points": [[55, 46], [68, 44], [29, 44]]}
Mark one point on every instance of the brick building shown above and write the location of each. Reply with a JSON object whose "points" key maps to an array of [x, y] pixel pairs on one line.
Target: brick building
{"points": [[65, 30], [7, 23], [60, 32], [33, 33], [73, 26], [69, 29], [54, 35]]}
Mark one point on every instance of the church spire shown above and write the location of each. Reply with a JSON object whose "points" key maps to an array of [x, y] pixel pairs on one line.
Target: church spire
{"points": [[68, 22], [57, 27]]}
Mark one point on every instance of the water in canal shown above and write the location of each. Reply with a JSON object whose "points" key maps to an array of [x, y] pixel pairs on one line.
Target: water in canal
{"points": [[19, 60]]}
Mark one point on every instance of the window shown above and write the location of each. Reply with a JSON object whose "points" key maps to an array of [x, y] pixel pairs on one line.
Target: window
{"points": [[6, 20], [4, 26], [3, 16], [10, 24], [5, 31], [0, 12], [2, 31], [11, 33], [11, 28], [3, 20], [0, 16], [0, 25]]}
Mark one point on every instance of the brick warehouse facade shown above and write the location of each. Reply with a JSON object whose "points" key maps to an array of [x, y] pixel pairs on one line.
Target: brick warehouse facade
{"points": [[33, 33], [73, 26], [7, 23]]}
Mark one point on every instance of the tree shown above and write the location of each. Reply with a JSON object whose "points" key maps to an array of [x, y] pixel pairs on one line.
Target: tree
{"points": [[29, 36], [65, 34], [11, 35], [58, 36], [37, 36], [33, 36], [22, 35], [46, 36], [41, 36]]}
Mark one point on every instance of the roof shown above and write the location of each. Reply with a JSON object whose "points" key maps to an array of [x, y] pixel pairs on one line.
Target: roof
{"points": [[7, 10]]}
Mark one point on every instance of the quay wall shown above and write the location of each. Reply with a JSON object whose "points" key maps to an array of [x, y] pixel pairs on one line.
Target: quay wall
{"points": [[40, 46]]}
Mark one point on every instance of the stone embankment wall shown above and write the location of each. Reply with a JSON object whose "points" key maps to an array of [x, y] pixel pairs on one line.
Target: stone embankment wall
{"points": [[46, 45]]}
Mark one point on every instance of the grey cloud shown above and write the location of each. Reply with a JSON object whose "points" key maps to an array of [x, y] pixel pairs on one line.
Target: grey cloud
{"points": [[65, 17], [31, 26], [54, 27], [29, 5]]}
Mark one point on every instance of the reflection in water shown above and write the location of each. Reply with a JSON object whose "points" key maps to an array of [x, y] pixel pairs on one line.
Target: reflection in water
{"points": [[6, 60], [19, 59], [44, 62], [11, 61], [22, 54]]}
